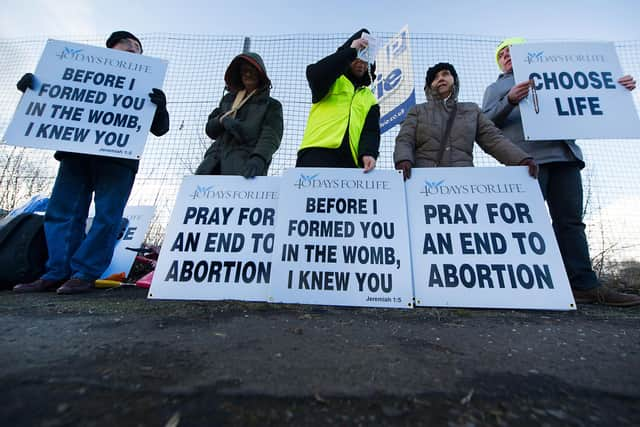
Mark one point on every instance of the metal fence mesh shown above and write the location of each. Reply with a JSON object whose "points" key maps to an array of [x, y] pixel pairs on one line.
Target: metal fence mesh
{"points": [[194, 85]]}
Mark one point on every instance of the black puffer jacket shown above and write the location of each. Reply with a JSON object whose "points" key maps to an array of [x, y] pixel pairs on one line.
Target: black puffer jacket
{"points": [[258, 125]]}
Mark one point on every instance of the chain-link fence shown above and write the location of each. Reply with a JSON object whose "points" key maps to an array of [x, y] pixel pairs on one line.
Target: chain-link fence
{"points": [[194, 86]]}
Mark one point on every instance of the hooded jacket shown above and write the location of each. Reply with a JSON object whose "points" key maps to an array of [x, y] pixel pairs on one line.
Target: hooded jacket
{"points": [[257, 129], [420, 137], [324, 78]]}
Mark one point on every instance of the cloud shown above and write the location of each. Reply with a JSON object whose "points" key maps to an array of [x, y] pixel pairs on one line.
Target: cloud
{"points": [[47, 17]]}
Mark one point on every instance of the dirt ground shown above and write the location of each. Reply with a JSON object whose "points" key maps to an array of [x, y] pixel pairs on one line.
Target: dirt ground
{"points": [[112, 357]]}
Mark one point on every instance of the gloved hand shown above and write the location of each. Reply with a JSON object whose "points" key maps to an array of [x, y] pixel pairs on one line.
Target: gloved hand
{"points": [[405, 167], [26, 82], [158, 97], [229, 123], [532, 165], [232, 126], [255, 166]]}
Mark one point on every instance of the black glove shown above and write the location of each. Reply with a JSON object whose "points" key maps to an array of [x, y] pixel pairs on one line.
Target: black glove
{"points": [[405, 167], [229, 123], [26, 82], [255, 166], [532, 165], [232, 126], [158, 97]]}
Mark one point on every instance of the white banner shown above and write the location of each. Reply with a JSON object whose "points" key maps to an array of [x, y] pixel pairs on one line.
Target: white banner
{"points": [[341, 239], [575, 92], [131, 236], [219, 240], [481, 237], [89, 100], [394, 87]]}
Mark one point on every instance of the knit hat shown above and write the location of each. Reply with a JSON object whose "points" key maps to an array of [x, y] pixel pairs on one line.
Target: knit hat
{"points": [[433, 71], [508, 42], [116, 36]]}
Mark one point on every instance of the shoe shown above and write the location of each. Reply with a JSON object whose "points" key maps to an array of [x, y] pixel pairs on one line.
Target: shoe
{"points": [[74, 286], [605, 296], [40, 285]]}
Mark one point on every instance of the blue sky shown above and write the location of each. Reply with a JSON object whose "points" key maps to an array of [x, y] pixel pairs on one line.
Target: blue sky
{"points": [[542, 19]]}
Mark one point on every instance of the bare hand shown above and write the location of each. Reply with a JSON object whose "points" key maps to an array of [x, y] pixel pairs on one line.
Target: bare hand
{"points": [[628, 82], [359, 44], [518, 93], [368, 163]]}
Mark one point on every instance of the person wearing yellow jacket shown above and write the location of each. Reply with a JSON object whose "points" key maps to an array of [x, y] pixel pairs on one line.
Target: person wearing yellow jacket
{"points": [[343, 127]]}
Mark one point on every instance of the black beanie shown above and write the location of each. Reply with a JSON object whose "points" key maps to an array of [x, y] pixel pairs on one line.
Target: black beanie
{"points": [[431, 73], [116, 36]]}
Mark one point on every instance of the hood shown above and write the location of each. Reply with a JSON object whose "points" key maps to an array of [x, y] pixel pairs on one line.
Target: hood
{"points": [[232, 75], [366, 79]]}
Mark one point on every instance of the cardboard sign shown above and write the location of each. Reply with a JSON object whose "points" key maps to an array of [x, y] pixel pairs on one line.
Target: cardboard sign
{"points": [[131, 237], [219, 240], [394, 86], [574, 93], [341, 239], [481, 237], [89, 100]]}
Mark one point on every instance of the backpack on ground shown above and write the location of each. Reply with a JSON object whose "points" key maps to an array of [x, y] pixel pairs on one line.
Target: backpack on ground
{"points": [[23, 249]]}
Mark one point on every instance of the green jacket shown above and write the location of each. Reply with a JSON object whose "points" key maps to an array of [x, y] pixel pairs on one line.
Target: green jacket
{"points": [[257, 129]]}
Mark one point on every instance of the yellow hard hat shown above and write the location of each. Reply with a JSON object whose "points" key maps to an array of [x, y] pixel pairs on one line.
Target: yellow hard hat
{"points": [[508, 42]]}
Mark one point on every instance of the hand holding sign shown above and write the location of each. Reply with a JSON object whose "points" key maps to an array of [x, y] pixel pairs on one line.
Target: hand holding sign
{"points": [[26, 82]]}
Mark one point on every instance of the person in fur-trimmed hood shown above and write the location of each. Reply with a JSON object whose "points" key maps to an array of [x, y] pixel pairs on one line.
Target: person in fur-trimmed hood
{"points": [[343, 127], [441, 131], [247, 126]]}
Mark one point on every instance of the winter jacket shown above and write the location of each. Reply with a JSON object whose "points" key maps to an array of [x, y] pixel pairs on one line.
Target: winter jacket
{"points": [[257, 130], [328, 78], [159, 126], [506, 116], [420, 137]]}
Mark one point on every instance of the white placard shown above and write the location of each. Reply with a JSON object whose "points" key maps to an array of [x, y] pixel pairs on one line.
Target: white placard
{"points": [[341, 239], [394, 88], [219, 240], [576, 94], [89, 100], [482, 237], [132, 236]]}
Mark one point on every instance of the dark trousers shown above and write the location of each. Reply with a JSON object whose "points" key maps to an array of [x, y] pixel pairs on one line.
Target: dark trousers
{"points": [[561, 186]]}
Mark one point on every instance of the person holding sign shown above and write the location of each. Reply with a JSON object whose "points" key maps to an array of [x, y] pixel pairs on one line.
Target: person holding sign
{"points": [[343, 128], [560, 181], [247, 126], [441, 131], [76, 260]]}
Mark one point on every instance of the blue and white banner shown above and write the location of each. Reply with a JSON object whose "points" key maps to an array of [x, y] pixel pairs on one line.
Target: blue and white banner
{"points": [[219, 240], [574, 92], [481, 237], [342, 239], [394, 87], [88, 99]]}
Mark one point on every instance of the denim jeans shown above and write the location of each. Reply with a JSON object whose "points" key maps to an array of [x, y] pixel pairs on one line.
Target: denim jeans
{"points": [[71, 252], [561, 186]]}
